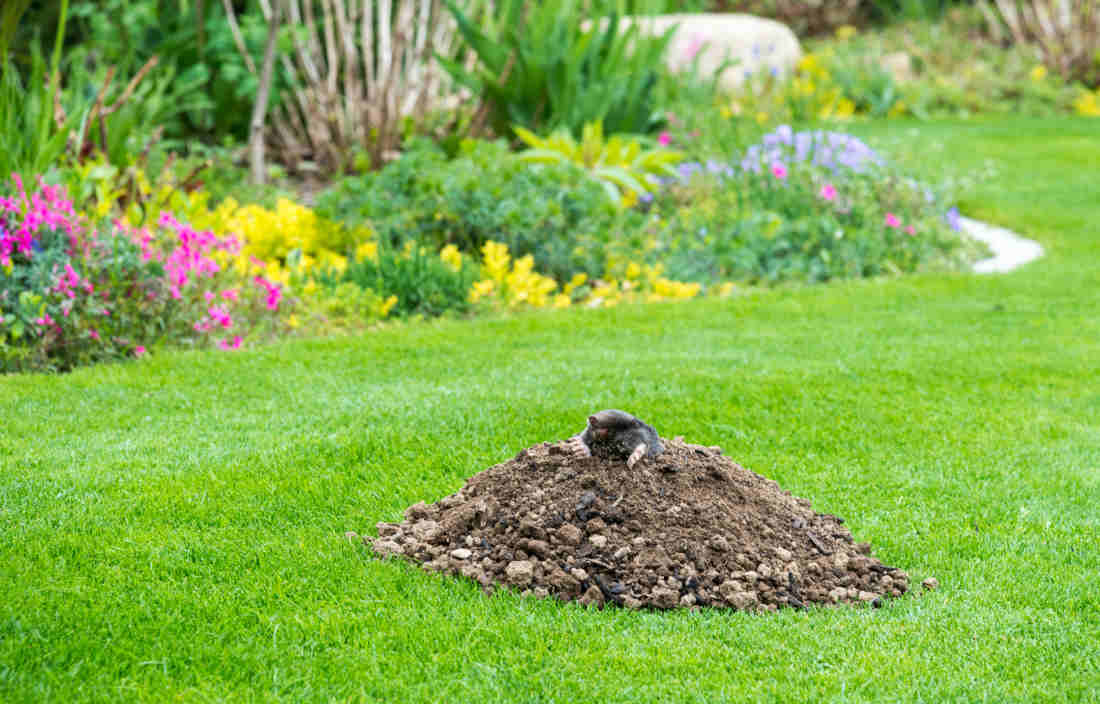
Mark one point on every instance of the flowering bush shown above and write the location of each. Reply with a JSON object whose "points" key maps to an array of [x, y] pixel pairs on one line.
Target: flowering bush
{"points": [[72, 292], [808, 205]]}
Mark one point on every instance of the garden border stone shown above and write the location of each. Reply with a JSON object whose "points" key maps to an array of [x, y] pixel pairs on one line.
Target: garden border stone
{"points": [[1010, 251]]}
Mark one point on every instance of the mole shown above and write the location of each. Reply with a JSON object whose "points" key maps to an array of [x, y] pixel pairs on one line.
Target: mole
{"points": [[614, 434]]}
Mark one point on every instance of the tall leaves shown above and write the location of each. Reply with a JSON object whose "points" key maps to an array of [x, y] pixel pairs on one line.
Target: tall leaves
{"points": [[541, 66]]}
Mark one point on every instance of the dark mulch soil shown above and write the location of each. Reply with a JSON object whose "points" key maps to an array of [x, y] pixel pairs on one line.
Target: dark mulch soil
{"points": [[688, 528]]}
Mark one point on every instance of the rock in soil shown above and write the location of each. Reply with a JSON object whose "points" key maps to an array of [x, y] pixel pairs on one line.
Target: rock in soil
{"points": [[688, 528]]}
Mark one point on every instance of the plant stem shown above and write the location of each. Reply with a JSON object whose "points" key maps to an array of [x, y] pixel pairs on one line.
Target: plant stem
{"points": [[259, 109]]}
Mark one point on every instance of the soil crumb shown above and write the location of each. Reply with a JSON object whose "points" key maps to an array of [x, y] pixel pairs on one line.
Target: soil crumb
{"points": [[688, 528]]}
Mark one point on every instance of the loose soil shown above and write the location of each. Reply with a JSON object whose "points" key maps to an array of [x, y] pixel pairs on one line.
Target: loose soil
{"points": [[687, 528]]}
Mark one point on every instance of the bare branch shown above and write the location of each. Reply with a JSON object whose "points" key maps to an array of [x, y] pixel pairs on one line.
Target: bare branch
{"points": [[238, 38], [259, 108]]}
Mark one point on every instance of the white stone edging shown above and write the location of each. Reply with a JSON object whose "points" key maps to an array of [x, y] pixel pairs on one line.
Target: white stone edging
{"points": [[1009, 249]]}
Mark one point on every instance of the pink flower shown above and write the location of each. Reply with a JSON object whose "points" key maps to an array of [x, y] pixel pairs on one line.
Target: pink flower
{"points": [[664, 139], [693, 47], [274, 292], [235, 344], [208, 296], [44, 320], [910, 230], [828, 192], [230, 294], [139, 351], [779, 171], [892, 220], [93, 333]]}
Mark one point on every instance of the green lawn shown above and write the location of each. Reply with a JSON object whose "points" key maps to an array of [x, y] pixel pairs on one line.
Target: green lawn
{"points": [[173, 529]]}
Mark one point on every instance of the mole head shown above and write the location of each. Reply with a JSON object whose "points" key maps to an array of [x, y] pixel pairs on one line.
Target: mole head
{"points": [[611, 420]]}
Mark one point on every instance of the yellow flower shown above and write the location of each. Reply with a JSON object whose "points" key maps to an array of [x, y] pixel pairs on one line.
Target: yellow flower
{"points": [[387, 306], [577, 280], [725, 112], [334, 261], [633, 271], [367, 250], [561, 301], [496, 260], [761, 117], [629, 199], [725, 289], [667, 288], [1038, 73], [845, 32], [451, 257], [482, 289], [1088, 103], [899, 108], [293, 321], [845, 108]]}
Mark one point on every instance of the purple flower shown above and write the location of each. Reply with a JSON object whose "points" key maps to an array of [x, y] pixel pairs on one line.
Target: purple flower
{"points": [[951, 217]]}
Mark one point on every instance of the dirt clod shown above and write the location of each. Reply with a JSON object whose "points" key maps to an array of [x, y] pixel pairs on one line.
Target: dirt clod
{"points": [[691, 529]]}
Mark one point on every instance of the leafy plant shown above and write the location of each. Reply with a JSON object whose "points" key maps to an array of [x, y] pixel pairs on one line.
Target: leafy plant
{"points": [[422, 282], [619, 163], [29, 138], [553, 212], [541, 66]]}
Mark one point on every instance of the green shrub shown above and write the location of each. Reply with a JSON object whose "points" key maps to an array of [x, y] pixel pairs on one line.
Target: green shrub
{"points": [[423, 283], [554, 211]]}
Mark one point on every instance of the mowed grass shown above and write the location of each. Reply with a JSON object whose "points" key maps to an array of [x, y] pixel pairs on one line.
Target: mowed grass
{"points": [[173, 529]]}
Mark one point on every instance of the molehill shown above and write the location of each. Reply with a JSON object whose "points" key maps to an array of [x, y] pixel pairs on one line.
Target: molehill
{"points": [[687, 528]]}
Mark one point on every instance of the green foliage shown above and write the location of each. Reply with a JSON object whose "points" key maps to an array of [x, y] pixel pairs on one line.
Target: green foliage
{"points": [[618, 163], [422, 282], [29, 138], [10, 14], [538, 67], [554, 212], [340, 306], [198, 88]]}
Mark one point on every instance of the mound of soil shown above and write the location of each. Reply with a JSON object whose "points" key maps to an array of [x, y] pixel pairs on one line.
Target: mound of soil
{"points": [[688, 528]]}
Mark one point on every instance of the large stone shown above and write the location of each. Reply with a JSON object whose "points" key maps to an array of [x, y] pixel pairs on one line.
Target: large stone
{"points": [[754, 44]]}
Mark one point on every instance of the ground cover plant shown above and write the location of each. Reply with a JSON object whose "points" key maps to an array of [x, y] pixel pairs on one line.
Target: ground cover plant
{"points": [[175, 528]]}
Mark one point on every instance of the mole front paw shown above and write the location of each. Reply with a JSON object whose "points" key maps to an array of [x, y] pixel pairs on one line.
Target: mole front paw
{"points": [[578, 448], [638, 454]]}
